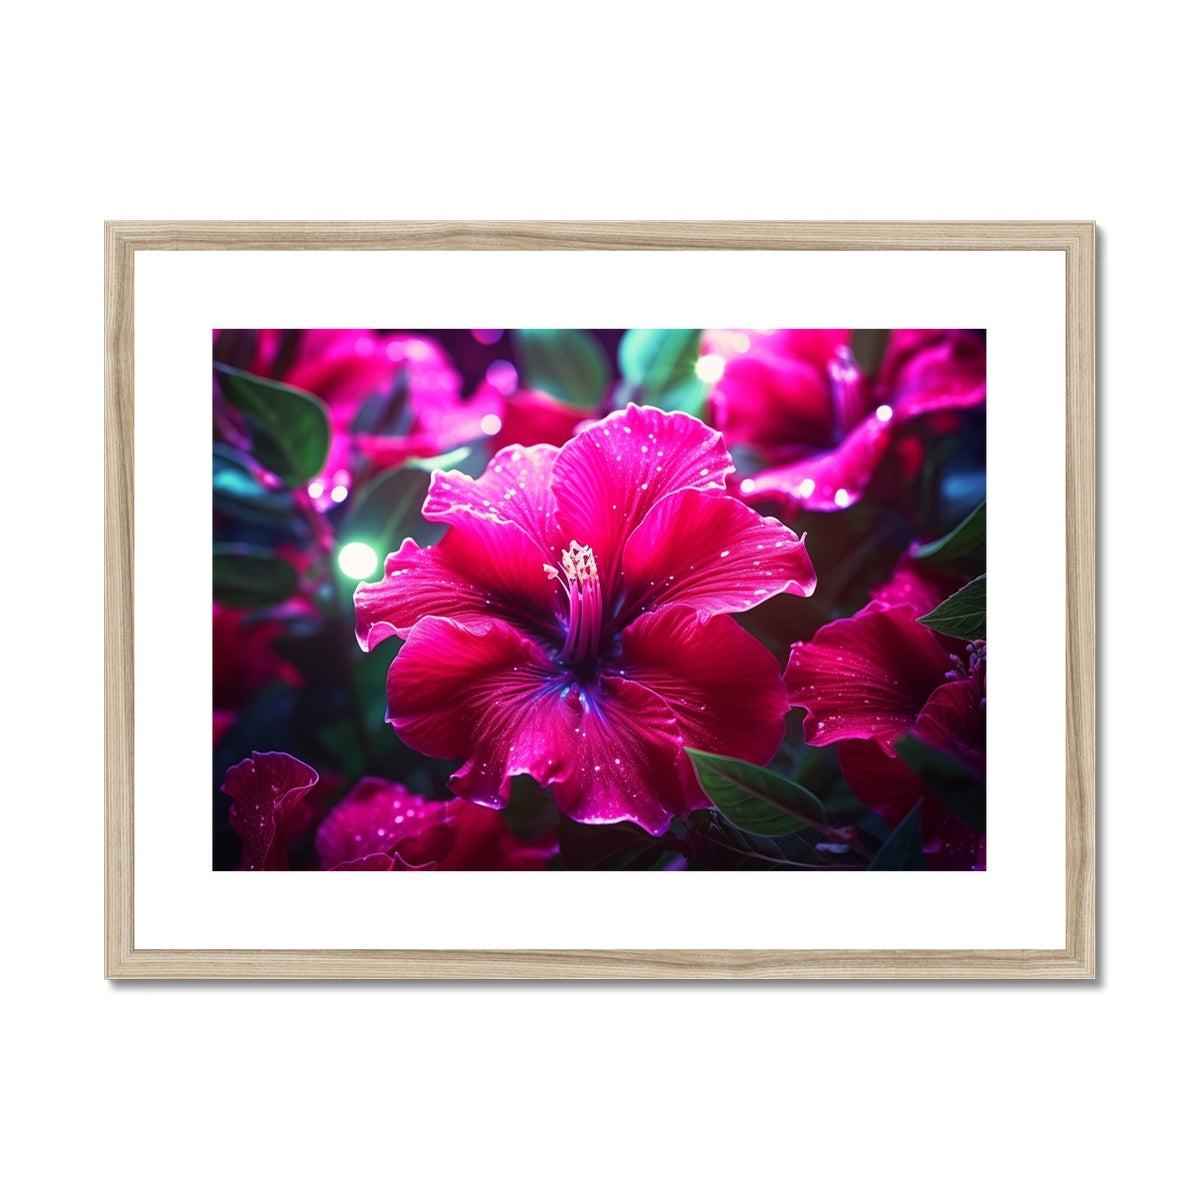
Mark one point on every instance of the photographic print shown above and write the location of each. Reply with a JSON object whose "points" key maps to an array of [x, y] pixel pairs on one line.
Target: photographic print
{"points": [[606, 599]]}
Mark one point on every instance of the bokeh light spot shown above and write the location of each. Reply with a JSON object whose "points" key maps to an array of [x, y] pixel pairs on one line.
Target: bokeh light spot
{"points": [[490, 424], [710, 367], [356, 560]]}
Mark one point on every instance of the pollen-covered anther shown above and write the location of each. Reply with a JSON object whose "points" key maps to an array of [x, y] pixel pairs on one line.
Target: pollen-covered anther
{"points": [[579, 562], [584, 607]]}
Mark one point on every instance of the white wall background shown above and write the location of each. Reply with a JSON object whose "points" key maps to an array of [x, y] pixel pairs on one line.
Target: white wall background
{"points": [[751, 110]]}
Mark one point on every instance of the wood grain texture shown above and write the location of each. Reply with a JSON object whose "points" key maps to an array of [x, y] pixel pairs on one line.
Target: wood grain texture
{"points": [[1076, 959]]}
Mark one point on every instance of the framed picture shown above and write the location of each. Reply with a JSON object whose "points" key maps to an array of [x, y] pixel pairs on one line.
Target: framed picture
{"points": [[600, 600]]}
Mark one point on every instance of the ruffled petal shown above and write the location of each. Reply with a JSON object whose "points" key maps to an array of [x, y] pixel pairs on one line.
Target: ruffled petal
{"points": [[712, 554], [266, 789], [612, 750], [723, 685], [829, 481], [866, 676], [609, 476], [515, 487], [482, 570]]}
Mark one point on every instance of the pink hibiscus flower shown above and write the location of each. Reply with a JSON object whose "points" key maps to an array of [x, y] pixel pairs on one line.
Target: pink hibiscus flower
{"points": [[381, 826], [870, 679], [800, 400], [572, 623]]}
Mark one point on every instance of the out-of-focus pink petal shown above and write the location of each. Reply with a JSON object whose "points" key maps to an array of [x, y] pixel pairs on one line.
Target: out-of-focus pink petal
{"points": [[264, 787], [866, 676], [892, 790], [535, 418], [372, 819], [483, 842], [916, 587], [608, 477], [372, 862], [774, 390], [831, 480], [481, 570], [515, 486], [713, 554], [723, 685], [946, 373]]}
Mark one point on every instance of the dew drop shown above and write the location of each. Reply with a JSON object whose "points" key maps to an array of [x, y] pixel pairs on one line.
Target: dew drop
{"points": [[724, 554]]}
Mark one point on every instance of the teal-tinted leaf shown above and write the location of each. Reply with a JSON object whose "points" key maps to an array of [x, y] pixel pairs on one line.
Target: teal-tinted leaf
{"points": [[963, 615], [755, 799], [620, 847], [569, 364], [967, 541], [947, 781], [389, 509], [289, 429], [237, 493], [661, 365], [250, 577], [720, 845], [904, 849], [440, 462]]}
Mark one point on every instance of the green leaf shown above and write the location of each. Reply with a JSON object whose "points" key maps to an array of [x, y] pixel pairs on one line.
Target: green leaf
{"points": [[947, 781], [620, 847], [569, 364], [963, 615], [968, 540], [237, 493], [755, 799], [723, 846], [440, 462], [250, 577], [289, 429], [389, 509], [904, 849], [661, 365]]}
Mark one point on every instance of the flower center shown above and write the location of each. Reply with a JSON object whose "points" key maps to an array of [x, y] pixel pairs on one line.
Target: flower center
{"points": [[580, 581], [974, 668]]}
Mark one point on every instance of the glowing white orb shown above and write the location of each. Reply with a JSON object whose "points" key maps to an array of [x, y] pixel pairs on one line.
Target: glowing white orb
{"points": [[339, 493], [490, 424], [357, 560], [710, 367], [884, 412]]}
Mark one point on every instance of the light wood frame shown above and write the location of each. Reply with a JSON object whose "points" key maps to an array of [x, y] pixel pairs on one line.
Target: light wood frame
{"points": [[1076, 959]]}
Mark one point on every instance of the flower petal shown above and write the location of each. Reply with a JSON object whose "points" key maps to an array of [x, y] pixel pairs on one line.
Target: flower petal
{"points": [[830, 481], [722, 684], [483, 569], [265, 788], [928, 376], [609, 476], [515, 487], [611, 750], [713, 554], [375, 816], [774, 389], [953, 721], [865, 676], [886, 785]]}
